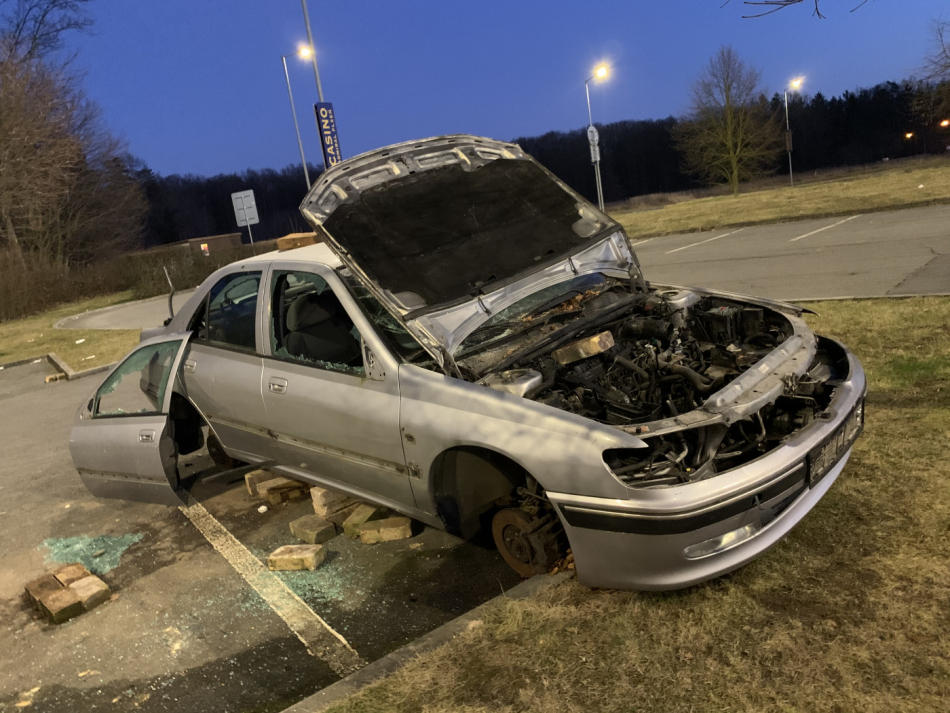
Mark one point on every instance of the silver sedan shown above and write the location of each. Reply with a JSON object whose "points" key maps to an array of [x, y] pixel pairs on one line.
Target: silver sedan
{"points": [[471, 343]]}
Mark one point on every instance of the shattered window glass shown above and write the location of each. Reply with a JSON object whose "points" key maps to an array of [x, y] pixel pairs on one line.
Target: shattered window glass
{"points": [[310, 326], [137, 387], [397, 338], [232, 308]]}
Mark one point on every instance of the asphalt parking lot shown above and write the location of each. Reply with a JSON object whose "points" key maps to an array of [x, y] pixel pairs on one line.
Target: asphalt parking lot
{"points": [[185, 630]]}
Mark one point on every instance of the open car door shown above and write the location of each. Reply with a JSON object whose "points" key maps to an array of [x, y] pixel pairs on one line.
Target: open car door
{"points": [[122, 443]]}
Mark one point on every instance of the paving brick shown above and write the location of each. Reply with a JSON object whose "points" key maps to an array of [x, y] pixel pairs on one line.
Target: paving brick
{"points": [[36, 589], [69, 573], [61, 605], [295, 557], [91, 591], [339, 517], [254, 478], [386, 530], [280, 490], [326, 502], [312, 529], [363, 513]]}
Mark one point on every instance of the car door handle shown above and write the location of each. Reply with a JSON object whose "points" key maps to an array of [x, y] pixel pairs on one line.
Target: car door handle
{"points": [[277, 386], [189, 366], [146, 436]]}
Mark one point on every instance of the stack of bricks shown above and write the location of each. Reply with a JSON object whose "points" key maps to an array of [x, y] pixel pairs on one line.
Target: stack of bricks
{"points": [[273, 488], [67, 592], [332, 506]]}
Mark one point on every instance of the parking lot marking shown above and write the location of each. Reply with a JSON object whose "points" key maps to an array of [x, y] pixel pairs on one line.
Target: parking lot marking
{"points": [[703, 242], [319, 638], [827, 227]]}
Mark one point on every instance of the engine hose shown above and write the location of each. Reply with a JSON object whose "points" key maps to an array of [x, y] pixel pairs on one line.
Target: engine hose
{"points": [[694, 378], [658, 329], [642, 373]]}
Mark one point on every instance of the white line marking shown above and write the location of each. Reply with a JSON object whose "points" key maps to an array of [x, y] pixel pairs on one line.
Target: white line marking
{"points": [[827, 227], [319, 638], [702, 242]]}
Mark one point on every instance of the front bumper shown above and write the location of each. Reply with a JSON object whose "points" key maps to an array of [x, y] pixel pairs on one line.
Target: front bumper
{"points": [[669, 538]]}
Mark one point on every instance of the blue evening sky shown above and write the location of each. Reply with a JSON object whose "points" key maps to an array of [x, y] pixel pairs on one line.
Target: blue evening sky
{"points": [[196, 86]]}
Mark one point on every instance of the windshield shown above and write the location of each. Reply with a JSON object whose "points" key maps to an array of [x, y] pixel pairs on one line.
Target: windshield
{"points": [[561, 298]]}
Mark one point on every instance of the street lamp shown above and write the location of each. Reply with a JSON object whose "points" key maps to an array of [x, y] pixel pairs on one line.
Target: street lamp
{"points": [[795, 85], [310, 51], [600, 72], [945, 123], [303, 53]]}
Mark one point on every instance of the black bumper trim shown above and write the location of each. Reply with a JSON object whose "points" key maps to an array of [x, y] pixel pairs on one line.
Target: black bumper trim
{"points": [[647, 525]]}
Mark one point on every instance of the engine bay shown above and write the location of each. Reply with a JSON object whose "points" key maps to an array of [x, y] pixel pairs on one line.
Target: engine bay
{"points": [[625, 357]]}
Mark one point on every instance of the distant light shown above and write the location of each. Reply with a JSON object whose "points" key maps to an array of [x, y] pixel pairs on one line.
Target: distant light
{"points": [[601, 72], [796, 83], [304, 52], [945, 123], [909, 135]]}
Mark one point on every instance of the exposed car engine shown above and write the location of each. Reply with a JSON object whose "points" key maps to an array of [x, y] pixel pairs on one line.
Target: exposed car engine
{"points": [[635, 358]]}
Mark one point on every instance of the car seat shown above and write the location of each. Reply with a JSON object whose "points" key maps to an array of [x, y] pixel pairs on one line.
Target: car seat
{"points": [[319, 330]]}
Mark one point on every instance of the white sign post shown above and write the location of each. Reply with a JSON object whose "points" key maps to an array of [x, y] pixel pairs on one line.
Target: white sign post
{"points": [[245, 210]]}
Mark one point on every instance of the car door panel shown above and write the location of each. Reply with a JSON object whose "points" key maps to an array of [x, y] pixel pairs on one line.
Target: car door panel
{"points": [[128, 452], [332, 422]]}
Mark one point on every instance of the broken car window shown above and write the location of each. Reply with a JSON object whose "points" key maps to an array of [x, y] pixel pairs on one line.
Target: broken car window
{"points": [[231, 309], [310, 326], [137, 386], [389, 329]]}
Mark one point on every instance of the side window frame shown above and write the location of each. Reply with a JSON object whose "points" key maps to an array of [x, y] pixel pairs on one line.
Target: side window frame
{"points": [[270, 315], [202, 312]]}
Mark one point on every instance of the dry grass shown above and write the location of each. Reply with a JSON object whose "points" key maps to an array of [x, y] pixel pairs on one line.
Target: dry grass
{"points": [[849, 613], [897, 187], [35, 336]]}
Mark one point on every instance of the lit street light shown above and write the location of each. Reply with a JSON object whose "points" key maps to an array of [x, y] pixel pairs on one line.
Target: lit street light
{"points": [[303, 53], [593, 137], [795, 85], [945, 123]]}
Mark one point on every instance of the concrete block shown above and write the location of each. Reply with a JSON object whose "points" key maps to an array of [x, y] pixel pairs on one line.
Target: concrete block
{"points": [[280, 490], [254, 478], [42, 586], [339, 517], [69, 573], [326, 502], [91, 591], [363, 513], [386, 530], [61, 605], [312, 529], [296, 557]]}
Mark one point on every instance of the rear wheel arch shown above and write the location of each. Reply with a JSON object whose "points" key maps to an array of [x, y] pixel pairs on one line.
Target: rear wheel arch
{"points": [[467, 482]]}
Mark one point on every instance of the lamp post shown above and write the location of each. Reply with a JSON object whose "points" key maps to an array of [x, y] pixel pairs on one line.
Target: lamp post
{"points": [[313, 52], [303, 53], [794, 85], [592, 136], [911, 135]]}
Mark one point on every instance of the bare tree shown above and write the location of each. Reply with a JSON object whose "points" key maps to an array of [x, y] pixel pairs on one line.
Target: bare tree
{"points": [[932, 102], [34, 28], [729, 136], [767, 7]]}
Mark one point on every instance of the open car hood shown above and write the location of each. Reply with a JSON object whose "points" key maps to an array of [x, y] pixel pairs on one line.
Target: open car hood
{"points": [[446, 231]]}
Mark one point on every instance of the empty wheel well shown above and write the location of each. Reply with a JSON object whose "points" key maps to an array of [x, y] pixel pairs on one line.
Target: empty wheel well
{"points": [[468, 482]]}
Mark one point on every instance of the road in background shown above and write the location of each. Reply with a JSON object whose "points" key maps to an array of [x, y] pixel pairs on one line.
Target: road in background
{"points": [[870, 255]]}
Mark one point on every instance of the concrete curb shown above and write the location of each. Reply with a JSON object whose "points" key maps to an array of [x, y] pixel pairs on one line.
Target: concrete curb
{"points": [[909, 295], [59, 365], [381, 668]]}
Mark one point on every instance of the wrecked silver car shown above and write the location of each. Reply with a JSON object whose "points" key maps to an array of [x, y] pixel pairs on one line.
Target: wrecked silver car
{"points": [[473, 344]]}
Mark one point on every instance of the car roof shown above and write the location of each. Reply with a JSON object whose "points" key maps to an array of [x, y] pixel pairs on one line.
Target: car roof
{"points": [[317, 252]]}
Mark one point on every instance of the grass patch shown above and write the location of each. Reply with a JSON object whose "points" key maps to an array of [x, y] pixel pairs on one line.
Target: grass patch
{"points": [[893, 188], [35, 336], [849, 613]]}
